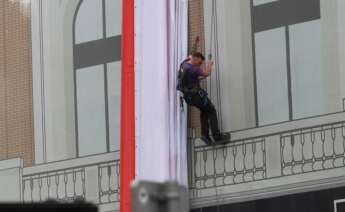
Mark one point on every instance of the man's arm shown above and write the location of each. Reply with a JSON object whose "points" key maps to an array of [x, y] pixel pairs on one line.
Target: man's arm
{"points": [[207, 71]]}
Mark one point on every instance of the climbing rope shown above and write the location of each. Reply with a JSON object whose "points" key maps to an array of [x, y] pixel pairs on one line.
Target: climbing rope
{"points": [[215, 48], [214, 40]]}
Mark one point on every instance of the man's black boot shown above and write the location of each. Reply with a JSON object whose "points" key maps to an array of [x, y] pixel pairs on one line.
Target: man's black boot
{"points": [[222, 137], [207, 139]]}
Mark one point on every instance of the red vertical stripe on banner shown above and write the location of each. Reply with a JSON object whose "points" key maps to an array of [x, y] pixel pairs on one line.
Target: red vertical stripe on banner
{"points": [[127, 147]]}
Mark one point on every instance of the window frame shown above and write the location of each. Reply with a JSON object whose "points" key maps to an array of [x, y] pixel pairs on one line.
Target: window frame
{"points": [[272, 15], [91, 53]]}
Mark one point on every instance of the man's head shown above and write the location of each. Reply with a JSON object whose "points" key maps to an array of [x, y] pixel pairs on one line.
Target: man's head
{"points": [[197, 58]]}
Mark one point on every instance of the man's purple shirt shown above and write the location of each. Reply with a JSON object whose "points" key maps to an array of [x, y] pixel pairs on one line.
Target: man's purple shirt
{"points": [[193, 72]]}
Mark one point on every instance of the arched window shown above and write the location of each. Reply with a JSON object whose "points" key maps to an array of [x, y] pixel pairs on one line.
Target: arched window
{"points": [[97, 75]]}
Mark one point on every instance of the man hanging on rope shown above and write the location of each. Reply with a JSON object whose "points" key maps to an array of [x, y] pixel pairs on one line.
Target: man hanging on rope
{"points": [[189, 77]]}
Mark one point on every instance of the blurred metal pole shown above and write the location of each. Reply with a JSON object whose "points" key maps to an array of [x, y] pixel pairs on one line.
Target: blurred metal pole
{"points": [[159, 197]]}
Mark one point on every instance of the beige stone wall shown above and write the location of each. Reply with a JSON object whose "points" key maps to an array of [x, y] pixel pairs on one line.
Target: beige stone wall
{"points": [[16, 110], [196, 28]]}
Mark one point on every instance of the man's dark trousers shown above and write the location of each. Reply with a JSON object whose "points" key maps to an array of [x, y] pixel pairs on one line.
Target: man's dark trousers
{"points": [[198, 97]]}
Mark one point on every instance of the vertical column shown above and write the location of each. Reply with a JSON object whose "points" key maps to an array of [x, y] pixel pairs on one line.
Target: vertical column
{"points": [[52, 64], [57, 35], [127, 147], [38, 82]]}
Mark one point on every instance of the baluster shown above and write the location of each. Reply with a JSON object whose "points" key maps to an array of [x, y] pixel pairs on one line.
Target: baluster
{"points": [[109, 179], [292, 142], [65, 182], [83, 181], [298, 149], [225, 153], [254, 156], [303, 150], [303, 156], [32, 189], [214, 157], [40, 187], [24, 187], [205, 168], [343, 135], [74, 177], [263, 148], [309, 149], [282, 146], [313, 138], [195, 158], [57, 185], [234, 150], [100, 189], [48, 185], [333, 136], [244, 152], [118, 180], [323, 138], [232, 172]]}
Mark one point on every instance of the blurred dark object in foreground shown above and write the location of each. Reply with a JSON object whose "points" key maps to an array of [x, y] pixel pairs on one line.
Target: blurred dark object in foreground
{"points": [[49, 206], [159, 197]]}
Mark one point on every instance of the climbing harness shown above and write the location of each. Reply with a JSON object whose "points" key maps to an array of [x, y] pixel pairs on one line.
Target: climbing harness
{"points": [[214, 47], [181, 79], [181, 85]]}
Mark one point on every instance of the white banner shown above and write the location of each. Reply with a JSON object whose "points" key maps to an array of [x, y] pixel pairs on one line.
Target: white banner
{"points": [[160, 44]]}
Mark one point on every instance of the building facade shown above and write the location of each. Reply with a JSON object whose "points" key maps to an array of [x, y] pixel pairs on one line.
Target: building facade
{"points": [[60, 96], [277, 86]]}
